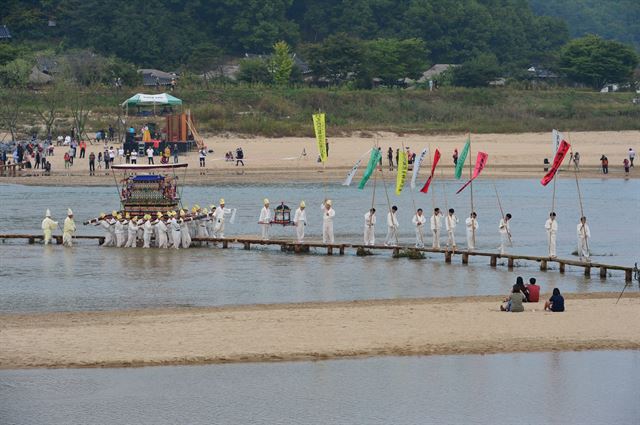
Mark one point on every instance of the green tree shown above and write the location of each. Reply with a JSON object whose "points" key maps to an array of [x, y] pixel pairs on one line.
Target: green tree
{"points": [[596, 62], [281, 63], [477, 72], [392, 60], [15, 73], [255, 71], [337, 59]]}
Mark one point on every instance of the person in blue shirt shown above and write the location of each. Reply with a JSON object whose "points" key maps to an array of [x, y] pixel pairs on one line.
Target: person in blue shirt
{"points": [[556, 302]]}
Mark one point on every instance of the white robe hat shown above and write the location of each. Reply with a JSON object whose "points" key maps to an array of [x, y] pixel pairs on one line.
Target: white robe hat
{"points": [[48, 213], [69, 212]]}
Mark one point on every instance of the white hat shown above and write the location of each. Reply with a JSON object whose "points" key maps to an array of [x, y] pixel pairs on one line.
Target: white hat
{"points": [[48, 213], [69, 212], [266, 201]]}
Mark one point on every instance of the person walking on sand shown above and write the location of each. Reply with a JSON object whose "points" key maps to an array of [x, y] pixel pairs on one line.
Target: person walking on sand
{"points": [[300, 221], [584, 235], [150, 155], [392, 227], [69, 229], [328, 213], [604, 161], [551, 225], [505, 233], [202, 155], [418, 221], [265, 220], [455, 157], [472, 229], [451, 222], [555, 303], [632, 156], [436, 225], [625, 163], [390, 158], [370, 226], [48, 226]]}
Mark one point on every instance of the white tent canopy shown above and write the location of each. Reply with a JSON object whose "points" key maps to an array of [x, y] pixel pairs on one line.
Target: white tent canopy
{"points": [[142, 99]]}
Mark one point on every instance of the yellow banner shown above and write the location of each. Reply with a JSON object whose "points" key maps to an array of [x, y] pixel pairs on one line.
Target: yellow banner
{"points": [[321, 135], [403, 167]]}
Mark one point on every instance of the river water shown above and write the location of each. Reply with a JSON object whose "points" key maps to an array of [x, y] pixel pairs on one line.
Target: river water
{"points": [[534, 388], [88, 277]]}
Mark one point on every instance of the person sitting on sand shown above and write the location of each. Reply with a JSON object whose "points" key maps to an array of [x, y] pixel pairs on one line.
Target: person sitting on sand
{"points": [[556, 302], [514, 302], [534, 291], [519, 286]]}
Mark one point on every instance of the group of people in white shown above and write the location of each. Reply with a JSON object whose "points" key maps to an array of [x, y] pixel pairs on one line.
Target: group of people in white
{"points": [[175, 229]]}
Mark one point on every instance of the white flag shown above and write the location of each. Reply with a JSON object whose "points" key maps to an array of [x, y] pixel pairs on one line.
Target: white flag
{"points": [[233, 216], [416, 167], [352, 173], [557, 138]]}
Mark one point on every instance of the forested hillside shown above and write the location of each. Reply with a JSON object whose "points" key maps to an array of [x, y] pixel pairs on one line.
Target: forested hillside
{"points": [[170, 33], [612, 19]]}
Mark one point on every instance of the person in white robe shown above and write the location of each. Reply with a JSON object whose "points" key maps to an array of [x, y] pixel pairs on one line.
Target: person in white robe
{"points": [[69, 229], [120, 231], [106, 227], [392, 227], [419, 221], [551, 225], [328, 213], [147, 229], [202, 230], [265, 220], [436, 226], [218, 228], [300, 221], [132, 233], [211, 221], [370, 227], [451, 221], [505, 233], [161, 232], [48, 226], [112, 227], [185, 235], [584, 235], [472, 230], [175, 229]]}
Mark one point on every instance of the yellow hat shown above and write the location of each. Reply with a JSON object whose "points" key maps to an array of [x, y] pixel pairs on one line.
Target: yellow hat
{"points": [[266, 201], [182, 213], [221, 201], [213, 207], [135, 217], [127, 216], [114, 213], [159, 214], [329, 202], [102, 215], [147, 217], [118, 217], [194, 210], [197, 207], [302, 204], [205, 211]]}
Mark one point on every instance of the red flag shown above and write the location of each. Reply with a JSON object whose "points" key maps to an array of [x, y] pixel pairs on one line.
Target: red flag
{"points": [[557, 162], [481, 161], [436, 158]]}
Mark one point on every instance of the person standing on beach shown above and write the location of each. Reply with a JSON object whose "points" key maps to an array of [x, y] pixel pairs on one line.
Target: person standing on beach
{"points": [[584, 234], [505, 233], [150, 155], [551, 225], [625, 163], [436, 225], [455, 157], [92, 164], [69, 229], [328, 213], [390, 158], [605, 164], [632, 156], [450, 223], [300, 221], [202, 154], [392, 227], [370, 225], [48, 226], [265, 220], [419, 220], [239, 156], [472, 228]]}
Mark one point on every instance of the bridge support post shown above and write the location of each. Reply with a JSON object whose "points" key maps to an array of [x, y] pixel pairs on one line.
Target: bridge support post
{"points": [[494, 261], [465, 258], [225, 244], [247, 245], [447, 257], [329, 250], [543, 265], [603, 272], [31, 241], [341, 249], [510, 263], [587, 271], [561, 267], [628, 275]]}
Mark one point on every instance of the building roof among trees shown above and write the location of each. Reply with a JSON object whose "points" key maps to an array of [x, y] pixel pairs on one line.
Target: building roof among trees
{"points": [[149, 77], [5, 34]]}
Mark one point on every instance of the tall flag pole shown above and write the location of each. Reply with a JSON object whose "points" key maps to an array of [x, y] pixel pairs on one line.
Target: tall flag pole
{"points": [[462, 158], [436, 158], [403, 167], [416, 167], [481, 161], [319, 127]]}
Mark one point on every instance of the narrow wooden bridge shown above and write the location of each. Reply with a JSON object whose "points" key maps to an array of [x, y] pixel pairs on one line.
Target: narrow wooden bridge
{"points": [[341, 249]]}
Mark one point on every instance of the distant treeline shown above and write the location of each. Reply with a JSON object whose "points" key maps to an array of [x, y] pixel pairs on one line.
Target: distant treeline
{"points": [[194, 34]]}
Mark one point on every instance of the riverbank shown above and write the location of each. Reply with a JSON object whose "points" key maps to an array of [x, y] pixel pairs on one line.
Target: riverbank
{"points": [[284, 160], [313, 331]]}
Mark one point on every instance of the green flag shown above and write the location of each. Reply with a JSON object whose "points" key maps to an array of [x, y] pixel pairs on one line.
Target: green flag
{"points": [[462, 158], [371, 166]]}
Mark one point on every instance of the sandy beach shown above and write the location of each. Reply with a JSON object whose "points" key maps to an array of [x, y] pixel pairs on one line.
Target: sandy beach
{"points": [[281, 159], [313, 331]]}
